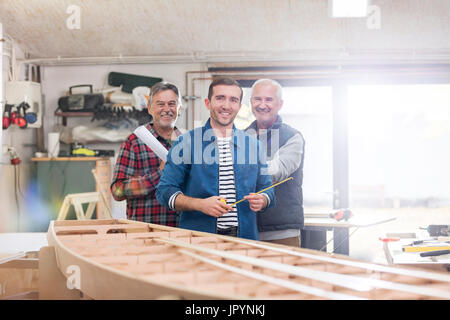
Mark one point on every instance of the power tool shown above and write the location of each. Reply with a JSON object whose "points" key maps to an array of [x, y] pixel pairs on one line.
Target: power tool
{"points": [[7, 116], [341, 214], [438, 230], [78, 150]]}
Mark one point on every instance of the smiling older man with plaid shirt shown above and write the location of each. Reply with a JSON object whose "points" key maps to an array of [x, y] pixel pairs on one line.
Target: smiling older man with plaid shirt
{"points": [[138, 169]]}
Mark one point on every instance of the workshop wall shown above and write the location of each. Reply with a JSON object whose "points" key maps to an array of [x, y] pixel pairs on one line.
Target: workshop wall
{"points": [[23, 141], [57, 80]]}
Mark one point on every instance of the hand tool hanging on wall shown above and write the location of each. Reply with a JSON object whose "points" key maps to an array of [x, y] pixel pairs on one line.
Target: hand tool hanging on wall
{"points": [[7, 116], [13, 117], [115, 113], [30, 117], [20, 120], [28, 94]]}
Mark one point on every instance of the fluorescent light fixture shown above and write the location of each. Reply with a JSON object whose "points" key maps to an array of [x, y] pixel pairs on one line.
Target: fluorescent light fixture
{"points": [[348, 8]]}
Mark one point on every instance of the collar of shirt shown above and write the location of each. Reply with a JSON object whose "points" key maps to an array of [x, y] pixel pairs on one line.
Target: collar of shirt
{"points": [[275, 125], [234, 137], [150, 128]]}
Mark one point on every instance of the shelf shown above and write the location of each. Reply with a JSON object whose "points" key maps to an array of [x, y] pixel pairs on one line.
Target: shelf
{"points": [[70, 159], [65, 115], [74, 114]]}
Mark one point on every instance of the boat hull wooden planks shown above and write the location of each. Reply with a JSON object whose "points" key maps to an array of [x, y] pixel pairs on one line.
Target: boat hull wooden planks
{"points": [[123, 259]]}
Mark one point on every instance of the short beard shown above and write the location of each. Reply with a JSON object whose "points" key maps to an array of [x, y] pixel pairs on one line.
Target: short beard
{"points": [[216, 119], [163, 125]]}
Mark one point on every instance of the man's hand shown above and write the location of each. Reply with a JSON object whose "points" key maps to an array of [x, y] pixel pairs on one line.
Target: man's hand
{"points": [[161, 166], [257, 201], [213, 206]]}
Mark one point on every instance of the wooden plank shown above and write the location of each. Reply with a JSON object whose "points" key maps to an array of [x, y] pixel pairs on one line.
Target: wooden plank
{"points": [[142, 269], [72, 223], [336, 279], [5, 257], [275, 281], [67, 159], [101, 229], [354, 222], [348, 262], [64, 210], [103, 282], [199, 240], [147, 235], [122, 259], [345, 281], [18, 276], [159, 258], [52, 283], [155, 257], [28, 295], [26, 263]]}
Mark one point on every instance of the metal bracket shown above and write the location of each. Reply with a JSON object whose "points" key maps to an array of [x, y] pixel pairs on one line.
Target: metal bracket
{"points": [[187, 98]]}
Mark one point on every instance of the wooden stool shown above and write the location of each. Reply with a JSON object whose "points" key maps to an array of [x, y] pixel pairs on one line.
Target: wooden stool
{"points": [[77, 199]]}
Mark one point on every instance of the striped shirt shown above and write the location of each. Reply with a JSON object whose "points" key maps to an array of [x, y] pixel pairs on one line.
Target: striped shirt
{"points": [[227, 188]]}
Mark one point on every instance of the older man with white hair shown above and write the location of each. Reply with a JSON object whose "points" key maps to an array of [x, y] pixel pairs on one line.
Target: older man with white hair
{"points": [[284, 147]]}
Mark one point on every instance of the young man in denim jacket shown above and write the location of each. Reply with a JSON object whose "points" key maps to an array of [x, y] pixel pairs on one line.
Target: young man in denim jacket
{"points": [[211, 167]]}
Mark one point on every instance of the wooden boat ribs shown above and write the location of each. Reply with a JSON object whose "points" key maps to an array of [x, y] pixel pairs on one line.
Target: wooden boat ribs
{"points": [[122, 259]]}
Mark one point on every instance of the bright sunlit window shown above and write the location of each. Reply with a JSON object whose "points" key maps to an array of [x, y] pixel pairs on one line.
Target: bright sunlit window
{"points": [[400, 141], [309, 110], [348, 8], [399, 158]]}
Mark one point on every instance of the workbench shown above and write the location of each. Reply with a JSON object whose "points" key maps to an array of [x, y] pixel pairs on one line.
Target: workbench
{"points": [[314, 232], [396, 256]]}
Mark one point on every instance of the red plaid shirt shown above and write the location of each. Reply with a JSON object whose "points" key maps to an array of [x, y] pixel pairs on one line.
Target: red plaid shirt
{"points": [[136, 176]]}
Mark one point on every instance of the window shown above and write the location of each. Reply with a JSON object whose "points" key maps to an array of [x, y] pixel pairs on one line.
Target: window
{"points": [[378, 136], [309, 110], [399, 156]]}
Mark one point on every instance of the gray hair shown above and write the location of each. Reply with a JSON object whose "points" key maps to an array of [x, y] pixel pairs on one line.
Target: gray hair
{"points": [[270, 82], [163, 86]]}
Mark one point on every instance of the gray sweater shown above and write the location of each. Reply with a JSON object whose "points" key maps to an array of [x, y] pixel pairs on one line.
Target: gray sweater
{"points": [[284, 148]]}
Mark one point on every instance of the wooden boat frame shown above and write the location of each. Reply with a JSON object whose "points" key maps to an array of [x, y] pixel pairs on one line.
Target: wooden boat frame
{"points": [[123, 259]]}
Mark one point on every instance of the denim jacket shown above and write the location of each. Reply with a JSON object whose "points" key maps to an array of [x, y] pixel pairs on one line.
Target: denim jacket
{"points": [[193, 169]]}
